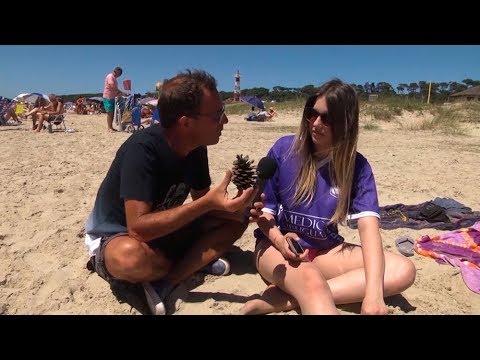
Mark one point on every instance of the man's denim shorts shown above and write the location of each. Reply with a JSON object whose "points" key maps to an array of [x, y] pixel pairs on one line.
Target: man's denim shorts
{"points": [[173, 245]]}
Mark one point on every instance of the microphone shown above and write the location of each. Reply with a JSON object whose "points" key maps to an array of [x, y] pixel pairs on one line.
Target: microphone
{"points": [[265, 169], [243, 176]]}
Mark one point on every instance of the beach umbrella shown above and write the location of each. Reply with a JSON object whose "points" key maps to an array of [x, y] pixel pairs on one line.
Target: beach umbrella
{"points": [[30, 97], [145, 100], [153, 102], [253, 100], [68, 105], [96, 99]]}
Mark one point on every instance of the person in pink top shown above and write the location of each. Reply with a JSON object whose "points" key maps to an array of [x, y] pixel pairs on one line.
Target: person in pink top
{"points": [[110, 91]]}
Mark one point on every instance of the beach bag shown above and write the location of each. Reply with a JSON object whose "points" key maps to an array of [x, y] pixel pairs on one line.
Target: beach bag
{"points": [[126, 117], [433, 213]]}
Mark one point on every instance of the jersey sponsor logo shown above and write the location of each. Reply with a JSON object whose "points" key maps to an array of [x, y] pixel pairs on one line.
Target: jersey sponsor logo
{"points": [[334, 192], [315, 227], [312, 226]]}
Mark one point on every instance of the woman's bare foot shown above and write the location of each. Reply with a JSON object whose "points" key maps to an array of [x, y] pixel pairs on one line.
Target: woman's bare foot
{"points": [[271, 300], [252, 307]]}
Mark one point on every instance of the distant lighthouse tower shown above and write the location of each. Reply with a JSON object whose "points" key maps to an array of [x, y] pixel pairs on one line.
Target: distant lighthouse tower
{"points": [[236, 89]]}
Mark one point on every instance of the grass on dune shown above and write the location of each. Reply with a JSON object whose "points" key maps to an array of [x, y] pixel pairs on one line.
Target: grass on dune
{"points": [[447, 118]]}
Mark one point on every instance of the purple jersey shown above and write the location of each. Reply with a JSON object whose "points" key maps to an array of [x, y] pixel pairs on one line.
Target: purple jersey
{"points": [[310, 221]]}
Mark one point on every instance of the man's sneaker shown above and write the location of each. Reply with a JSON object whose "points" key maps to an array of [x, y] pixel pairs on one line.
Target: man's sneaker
{"points": [[218, 267], [156, 293]]}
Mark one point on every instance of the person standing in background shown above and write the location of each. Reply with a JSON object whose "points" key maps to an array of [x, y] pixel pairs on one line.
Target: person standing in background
{"points": [[110, 91]]}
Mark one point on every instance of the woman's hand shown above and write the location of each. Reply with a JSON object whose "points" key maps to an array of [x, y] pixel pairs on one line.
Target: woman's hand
{"points": [[282, 246], [374, 306], [256, 210]]}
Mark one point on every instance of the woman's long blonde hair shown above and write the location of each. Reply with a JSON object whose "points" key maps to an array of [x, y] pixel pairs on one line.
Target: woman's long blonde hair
{"points": [[343, 112]]}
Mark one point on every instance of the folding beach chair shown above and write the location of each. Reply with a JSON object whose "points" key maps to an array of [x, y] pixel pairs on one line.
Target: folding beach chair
{"points": [[5, 106], [155, 117], [122, 114], [118, 111], [136, 120], [57, 122]]}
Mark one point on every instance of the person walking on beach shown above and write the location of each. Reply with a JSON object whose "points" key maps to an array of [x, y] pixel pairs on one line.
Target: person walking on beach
{"points": [[140, 230], [110, 91], [322, 181]]}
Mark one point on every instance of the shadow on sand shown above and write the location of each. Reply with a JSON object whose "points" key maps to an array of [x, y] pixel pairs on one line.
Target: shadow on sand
{"points": [[241, 262], [11, 128], [131, 294], [393, 301]]}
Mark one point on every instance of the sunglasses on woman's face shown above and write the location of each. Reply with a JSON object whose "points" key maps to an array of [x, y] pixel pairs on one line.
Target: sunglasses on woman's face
{"points": [[311, 115]]}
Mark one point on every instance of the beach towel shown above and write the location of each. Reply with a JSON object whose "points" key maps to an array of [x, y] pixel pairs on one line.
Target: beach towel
{"points": [[413, 216], [460, 248]]}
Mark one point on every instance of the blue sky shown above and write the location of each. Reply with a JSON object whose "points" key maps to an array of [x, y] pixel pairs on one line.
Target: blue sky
{"points": [[72, 69]]}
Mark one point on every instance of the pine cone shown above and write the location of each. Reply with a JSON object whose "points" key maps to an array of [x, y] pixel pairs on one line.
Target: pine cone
{"points": [[244, 175]]}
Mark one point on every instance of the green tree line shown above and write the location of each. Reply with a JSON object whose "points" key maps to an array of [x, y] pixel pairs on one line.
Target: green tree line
{"points": [[439, 92], [419, 91]]}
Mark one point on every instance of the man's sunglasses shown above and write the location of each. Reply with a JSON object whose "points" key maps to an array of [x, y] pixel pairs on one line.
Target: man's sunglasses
{"points": [[217, 116]]}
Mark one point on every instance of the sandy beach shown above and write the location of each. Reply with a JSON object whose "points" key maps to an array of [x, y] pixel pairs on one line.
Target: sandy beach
{"points": [[49, 183]]}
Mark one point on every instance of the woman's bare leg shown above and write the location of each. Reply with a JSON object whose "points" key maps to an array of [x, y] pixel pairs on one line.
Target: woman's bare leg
{"points": [[347, 287]]}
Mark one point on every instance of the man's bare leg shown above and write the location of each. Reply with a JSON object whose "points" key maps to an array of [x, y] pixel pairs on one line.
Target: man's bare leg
{"points": [[218, 236], [110, 121], [136, 262]]}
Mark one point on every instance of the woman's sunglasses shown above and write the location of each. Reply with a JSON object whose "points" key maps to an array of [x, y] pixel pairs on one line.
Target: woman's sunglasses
{"points": [[311, 115]]}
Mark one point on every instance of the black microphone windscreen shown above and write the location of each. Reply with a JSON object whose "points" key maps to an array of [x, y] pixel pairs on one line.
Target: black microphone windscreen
{"points": [[266, 167]]}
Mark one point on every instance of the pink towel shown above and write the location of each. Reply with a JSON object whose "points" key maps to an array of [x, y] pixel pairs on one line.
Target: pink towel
{"points": [[459, 248]]}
